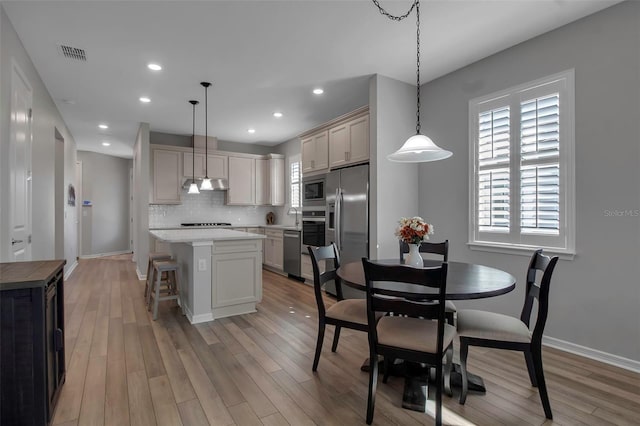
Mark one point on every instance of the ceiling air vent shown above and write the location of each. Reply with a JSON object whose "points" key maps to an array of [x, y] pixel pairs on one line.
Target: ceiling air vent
{"points": [[72, 52]]}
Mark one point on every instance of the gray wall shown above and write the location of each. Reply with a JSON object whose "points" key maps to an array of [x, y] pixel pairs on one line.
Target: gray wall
{"points": [[141, 181], [393, 186], [595, 296], [46, 118], [105, 182]]}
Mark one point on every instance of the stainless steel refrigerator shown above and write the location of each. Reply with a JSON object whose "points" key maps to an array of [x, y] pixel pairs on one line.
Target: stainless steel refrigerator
{"points": [[347, 224]]}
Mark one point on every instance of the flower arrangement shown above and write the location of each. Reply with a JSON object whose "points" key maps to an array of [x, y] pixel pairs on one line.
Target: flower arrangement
{"points": [[413, 230]]}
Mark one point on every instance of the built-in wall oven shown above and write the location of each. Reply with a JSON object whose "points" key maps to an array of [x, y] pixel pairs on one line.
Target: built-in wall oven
{"points": [[313, 227]]}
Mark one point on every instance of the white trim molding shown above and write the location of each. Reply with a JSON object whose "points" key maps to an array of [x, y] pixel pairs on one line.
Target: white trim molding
{"points": [[113, 253], [594, 354], [70, 270]]}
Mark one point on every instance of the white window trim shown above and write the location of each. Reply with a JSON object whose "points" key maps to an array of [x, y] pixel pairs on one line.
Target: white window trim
{"points": [[293, 159], [566, 161]]}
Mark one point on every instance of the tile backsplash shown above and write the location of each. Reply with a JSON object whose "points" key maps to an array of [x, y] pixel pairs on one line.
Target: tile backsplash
{"points": [[208, 206]]}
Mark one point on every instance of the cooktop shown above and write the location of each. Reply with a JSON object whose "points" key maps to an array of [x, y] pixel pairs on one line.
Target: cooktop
{"points": [[206, 224]]}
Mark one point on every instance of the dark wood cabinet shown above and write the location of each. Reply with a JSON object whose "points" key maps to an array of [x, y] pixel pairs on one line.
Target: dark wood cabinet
{"points": [[32, 355]]}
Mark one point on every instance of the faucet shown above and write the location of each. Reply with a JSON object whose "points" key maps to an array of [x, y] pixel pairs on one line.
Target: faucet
{"points": [[295, 209]]}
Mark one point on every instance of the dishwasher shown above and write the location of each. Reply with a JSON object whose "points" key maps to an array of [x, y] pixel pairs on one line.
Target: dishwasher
{"points": [[292, 253]]}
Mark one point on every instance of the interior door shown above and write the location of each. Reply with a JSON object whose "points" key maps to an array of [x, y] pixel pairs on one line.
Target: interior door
{"points": [[20, 160]]}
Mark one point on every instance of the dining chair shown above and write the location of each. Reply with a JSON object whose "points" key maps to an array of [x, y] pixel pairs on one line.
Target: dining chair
{"points": [[441, 249], [347, 313], [493, 330], [419, 334]]}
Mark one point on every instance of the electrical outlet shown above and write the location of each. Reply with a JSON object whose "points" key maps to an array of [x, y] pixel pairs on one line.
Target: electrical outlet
{"points": [[202, 264]]}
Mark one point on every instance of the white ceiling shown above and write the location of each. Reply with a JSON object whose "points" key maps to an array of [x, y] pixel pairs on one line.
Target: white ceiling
{"points": [[261, 56]]}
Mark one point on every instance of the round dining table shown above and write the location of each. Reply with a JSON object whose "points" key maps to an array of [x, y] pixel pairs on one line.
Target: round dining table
{"points": [[464, 281]]}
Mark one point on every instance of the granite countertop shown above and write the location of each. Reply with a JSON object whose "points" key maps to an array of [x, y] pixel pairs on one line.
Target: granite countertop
{"points": [[202, 235]]}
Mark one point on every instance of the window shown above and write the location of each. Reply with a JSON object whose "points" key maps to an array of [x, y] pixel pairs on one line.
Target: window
{"points": [[294, 181], [522, 158]]}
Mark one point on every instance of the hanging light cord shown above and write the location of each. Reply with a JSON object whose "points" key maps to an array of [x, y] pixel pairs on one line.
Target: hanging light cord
{"points": [[193, 142], [416, 5], [206, 133]]}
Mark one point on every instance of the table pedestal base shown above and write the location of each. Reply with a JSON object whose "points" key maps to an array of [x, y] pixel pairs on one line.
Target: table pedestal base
{"points": [[417, 378]]}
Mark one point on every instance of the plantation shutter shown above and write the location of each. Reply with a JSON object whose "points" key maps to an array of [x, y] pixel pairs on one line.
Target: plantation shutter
{"points": [[493, 191], [294, 178], [540, 165]]}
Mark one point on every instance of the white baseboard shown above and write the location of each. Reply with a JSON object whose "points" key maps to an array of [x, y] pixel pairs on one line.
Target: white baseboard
{"points": [[607, 358], [141, 276], [70, 270], [113, 253], [195, 319]]}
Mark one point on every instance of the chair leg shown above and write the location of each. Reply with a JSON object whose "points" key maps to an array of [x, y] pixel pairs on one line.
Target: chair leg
{"points": [[336, 337], [388, 361], [146, 283], [542, 386], [530, 368], [447, 370], [152, 281], [439, 395], [449, 317], [373, 383], [316, 359], [156, 299], [464, 351]]}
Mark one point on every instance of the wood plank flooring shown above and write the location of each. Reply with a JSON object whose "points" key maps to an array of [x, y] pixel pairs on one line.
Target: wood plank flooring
{"points": [[125, 369]]}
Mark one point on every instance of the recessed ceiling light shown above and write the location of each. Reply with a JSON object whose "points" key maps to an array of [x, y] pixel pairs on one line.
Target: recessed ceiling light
{"points": [[154, 67], [144, 99], [251, 130], [103, 126], [318, 91], [277, 114], [106, 144]]}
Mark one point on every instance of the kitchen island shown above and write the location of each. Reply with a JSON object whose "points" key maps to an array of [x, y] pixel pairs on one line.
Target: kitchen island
{"points": [[220, 271]]}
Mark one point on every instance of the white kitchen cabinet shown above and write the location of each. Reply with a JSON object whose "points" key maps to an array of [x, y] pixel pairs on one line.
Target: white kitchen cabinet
{"points": [[306, 267], [236, 277], [276, 182], [242, 181], [349, 142], [262, 182], [217, 166], [274, 249], [315, 152], [167, 177], [261, 232]]}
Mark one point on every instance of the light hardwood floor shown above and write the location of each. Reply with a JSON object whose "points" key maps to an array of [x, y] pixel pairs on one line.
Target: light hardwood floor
{"points": [[125, 369]]}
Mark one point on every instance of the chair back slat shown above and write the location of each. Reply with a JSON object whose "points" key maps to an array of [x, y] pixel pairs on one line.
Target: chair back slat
{"points": [[539, 292], [332, 262], [380, 301], [427, 247]]}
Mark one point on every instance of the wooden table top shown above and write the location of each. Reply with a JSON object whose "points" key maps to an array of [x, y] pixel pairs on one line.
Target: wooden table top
{"points": [[29, 274], [464, 280]]}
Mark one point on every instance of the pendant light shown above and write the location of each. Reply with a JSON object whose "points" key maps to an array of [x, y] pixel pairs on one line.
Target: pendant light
{"points": [[206, 182], [418, 148], [193, 188]]}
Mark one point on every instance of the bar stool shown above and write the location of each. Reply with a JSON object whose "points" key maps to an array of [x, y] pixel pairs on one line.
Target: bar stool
{"points": [[160, 289], [152, 256]]}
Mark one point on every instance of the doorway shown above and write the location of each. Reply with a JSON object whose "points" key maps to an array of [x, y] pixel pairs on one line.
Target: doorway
{"points": [[60, 195], [20, 140]]}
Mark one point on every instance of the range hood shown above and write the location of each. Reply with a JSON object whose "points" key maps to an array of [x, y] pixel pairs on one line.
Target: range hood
{"points": [[218, 184]]}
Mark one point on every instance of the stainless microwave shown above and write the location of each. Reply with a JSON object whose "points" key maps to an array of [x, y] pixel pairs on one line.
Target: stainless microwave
{"points": [[313, 191]]}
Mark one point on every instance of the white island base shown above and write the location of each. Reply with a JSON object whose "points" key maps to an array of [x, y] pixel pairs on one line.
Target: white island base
{"points": [[221, 271]]}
